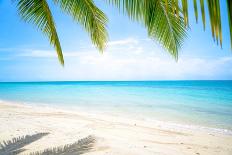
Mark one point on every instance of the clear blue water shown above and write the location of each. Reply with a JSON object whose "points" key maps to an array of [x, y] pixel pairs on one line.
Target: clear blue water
{"points": [[207, 103]]}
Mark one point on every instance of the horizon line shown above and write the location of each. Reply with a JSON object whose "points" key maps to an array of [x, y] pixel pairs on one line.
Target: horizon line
{"points": [[112, 81]]}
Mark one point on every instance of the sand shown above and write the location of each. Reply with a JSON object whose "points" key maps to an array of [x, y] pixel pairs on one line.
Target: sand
{"points": [[114, 135]]}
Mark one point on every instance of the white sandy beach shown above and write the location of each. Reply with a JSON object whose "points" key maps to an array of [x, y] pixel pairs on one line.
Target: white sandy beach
{"points": [[114, 135]]}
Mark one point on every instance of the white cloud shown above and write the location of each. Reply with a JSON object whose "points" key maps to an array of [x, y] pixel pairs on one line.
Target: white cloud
{"points": [[111, 66], [128, 59], [124, 45], [126, 41]]}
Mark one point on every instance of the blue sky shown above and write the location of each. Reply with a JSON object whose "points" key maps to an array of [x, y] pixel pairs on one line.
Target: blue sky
{"points": [[25, 53]]}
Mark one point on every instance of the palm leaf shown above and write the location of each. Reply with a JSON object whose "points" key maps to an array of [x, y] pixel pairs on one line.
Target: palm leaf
{"points": [[215, 19], [185, 11], [229, 10], [176, 5], [211, 17], [214, 15], [87, 14], [38, 13], [132, 8], [203, 12], [219, 21], [157, 16], [195, 9], [166, 28]]}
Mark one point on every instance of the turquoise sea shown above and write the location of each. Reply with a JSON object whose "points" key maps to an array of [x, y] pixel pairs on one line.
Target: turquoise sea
{"points": [[201, 103]]}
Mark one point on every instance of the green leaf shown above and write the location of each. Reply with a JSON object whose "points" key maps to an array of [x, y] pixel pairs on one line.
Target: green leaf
{"points": [[38, 13], [161, 22], [203, 12], [185, 11], [167, 28], [219, 21], [177, 8], [211, 16], [215, 19], [195, 9], [229, 11], [89, 16]]}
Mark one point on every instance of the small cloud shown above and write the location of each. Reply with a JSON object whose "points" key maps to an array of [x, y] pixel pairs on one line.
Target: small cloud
{"points": [[123, 42], [125, 45]]}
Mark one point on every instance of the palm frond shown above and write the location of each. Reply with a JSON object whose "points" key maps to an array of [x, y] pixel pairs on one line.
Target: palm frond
{"points": [[157, 16], [132, 8], [185, 11], [195, 9], [215, 19], [176, 5], [166, 5], [203, 12], [90, 17], [219, 21], [38, 13], [229, 11], [211, 17], [214, 15], [166, 28]]}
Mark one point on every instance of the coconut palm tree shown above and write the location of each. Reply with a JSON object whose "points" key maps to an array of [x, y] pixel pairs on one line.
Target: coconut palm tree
{"points": [[166, 21]]}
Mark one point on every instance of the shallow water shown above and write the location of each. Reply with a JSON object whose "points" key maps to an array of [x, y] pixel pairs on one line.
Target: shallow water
{"points": [[204, 103]]}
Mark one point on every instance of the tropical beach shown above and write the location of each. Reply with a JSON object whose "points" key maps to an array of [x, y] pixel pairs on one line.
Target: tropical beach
{"points": [[183, 126], [116, 77]]}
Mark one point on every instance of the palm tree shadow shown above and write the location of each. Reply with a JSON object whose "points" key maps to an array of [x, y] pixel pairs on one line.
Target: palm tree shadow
{"points": [[80, 147], [15, 146]]}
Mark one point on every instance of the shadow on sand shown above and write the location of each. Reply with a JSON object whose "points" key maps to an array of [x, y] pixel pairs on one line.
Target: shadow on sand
{"points": [[15, 146]]}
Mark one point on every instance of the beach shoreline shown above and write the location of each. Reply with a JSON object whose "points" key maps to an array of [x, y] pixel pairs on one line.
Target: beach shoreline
{"points": [[114, 134]]}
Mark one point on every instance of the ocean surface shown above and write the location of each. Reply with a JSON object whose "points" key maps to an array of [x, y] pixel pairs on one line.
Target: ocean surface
{"points": [[200, 103]]}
